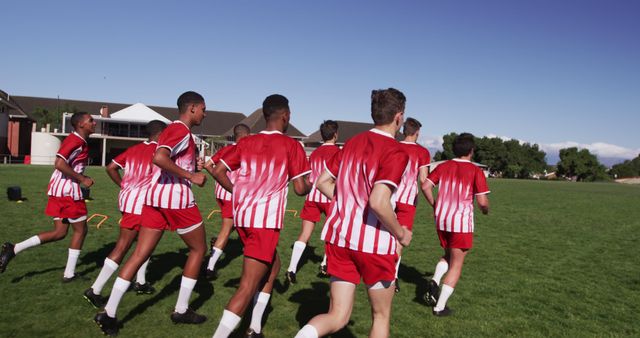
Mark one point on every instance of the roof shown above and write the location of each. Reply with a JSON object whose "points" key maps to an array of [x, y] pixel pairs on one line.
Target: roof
{"points": [[256, 123], [216, 123], [7, 100], [346, 130], [138, 112]]}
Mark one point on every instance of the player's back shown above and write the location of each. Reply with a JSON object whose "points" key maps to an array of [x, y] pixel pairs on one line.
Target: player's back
{"points": [[419, 157], [317, 160], [137, 163]]}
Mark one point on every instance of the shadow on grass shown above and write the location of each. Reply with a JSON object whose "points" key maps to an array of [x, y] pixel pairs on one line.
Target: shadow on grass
{"points": [[315, 301], [411, 275], [231, 251], [36, 273], [309, 255]]}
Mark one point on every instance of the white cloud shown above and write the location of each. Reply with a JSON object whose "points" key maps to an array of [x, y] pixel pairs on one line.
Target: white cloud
{"points": [[430, 142], [600, 149]]}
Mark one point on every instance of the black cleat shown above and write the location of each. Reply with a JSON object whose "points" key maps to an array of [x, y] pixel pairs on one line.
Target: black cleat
{"points": [[433, 293], [69, 279], [445, 312], [6, 255], [210, 274], [291, 277], [96, 300], [397, 283], [145, 288], [188, 317], [108, 325], [323, 271], [253, 334]]}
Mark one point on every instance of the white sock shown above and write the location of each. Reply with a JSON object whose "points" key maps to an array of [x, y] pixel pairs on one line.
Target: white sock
{"points": [[141, 276], [72, 259], [258, 310], [296, 254], [324, 260], [445, 293], [441, 268], [307, 331], [108, 269], [398, 266], [214, 258], [26, 244], [119, 288], [228, 323], [186, 286]]}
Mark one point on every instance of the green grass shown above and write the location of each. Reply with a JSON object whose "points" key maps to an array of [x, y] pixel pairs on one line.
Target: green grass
{"points": [[552, 259]]}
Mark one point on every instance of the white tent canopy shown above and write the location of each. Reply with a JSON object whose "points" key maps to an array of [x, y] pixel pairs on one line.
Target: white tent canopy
{"points": [[138, 113]]}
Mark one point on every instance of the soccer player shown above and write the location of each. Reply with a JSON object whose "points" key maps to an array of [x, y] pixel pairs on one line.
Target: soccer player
{"points": [[361, 230], [169, 204], [316, 202], [225, 203], [66, 204], [266, 163], [407, 193], [138, 171], [458, 181]]}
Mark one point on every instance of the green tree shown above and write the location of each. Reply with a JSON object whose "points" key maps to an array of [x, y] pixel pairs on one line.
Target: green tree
{"points": [[52, 116], [580, 164], [628, 168]]}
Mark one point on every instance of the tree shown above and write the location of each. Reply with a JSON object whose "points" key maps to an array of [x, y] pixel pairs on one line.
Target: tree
{"points": [[52, 116], [580, 164], [628, 168]]}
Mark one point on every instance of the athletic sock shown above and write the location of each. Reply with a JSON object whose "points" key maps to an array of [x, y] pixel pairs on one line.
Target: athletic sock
{"points": [[258, 310], [141, 275], [307, 331], [445, 293], [214, 258], [441, 268], [186, 286], [324, 260], [228, 323], [119, 288], [26, 244], [72, 259], [108, 269], [296, 254], [398, 266]]}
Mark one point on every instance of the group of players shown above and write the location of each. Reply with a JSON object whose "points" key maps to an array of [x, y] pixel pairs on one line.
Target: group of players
{"points": [[367, 190]]}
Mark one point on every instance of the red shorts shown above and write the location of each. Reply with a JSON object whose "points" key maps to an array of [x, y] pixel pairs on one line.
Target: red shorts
{"points": [[351, 266], [65, 207], [405, 214], [455, 240], [131, 221], [226, 208], [311, 211], [170, 219], [259, 244]]}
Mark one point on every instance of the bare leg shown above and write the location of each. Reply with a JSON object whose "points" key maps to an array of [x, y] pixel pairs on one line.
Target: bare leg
{"points": [[253, 272], [223, 235], [306, 231], [147, 240], [380, 311], [195, 241], [125, 239], [456, 260], [342, 297], [59, 232]]}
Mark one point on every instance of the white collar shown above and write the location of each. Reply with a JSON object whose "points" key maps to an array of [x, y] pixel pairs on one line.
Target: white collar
{"points": [[380, 132], [82, 138], [461, 160], [271, 132]]}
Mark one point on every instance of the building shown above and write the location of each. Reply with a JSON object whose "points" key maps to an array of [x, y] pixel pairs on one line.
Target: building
{"points": [[15, 130], [346, 130]]}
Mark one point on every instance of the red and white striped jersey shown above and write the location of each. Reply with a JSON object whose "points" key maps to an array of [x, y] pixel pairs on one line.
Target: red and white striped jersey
{"points": [[75, 151], [265, 162], [167, 190], [369, 158], [137, 163], [458, 182], [317, 160], [419, 157], [222, 193]]}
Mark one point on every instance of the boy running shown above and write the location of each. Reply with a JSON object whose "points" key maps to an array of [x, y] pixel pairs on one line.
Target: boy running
{"points": [[316, 202], [170, 205], [361, 230], [458, 181], [417, 170], [266, 163], [66, 204], [138, 171], [223, 198]]}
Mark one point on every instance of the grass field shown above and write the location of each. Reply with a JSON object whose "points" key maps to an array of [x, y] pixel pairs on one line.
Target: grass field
{"points": [[551, 259]]}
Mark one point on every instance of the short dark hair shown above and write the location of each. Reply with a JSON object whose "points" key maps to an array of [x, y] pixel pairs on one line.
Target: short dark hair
{"points": [[385, 104], [328, 129], [241, 128], [188, 98], [411, 126], [76, 118], [155, 127], [463, 144], [274, 104]]}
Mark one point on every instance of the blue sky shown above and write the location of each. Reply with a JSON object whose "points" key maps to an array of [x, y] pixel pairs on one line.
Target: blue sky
{"points": [[556, 73]]}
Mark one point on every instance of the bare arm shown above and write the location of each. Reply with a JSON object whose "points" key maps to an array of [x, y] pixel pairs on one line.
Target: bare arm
{"points": [[326, 184], [163, 160], [483, 203], [427, 190], [301, 185], [66, 169], [219, 173], [114, 173], [422, 175], [380, 204]]}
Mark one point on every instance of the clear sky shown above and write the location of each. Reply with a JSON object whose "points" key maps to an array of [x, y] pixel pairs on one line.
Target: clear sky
{"points": [[555, 73]]}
